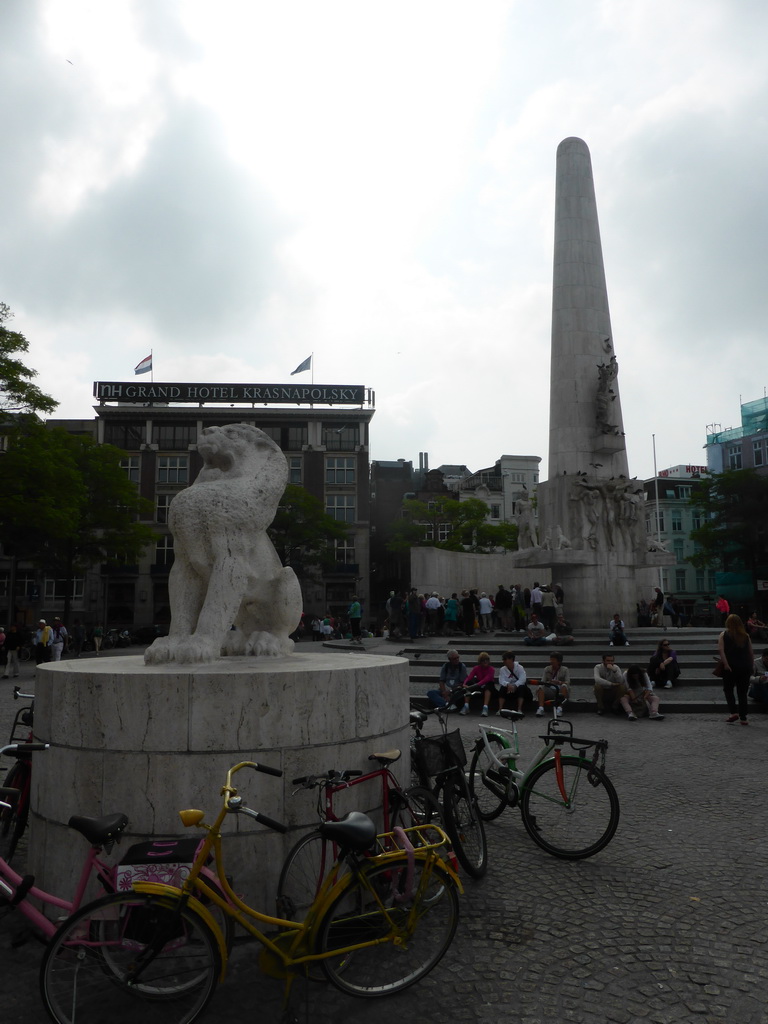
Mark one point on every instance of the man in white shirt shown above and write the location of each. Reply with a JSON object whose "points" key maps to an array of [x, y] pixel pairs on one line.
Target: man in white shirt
{"points": [[609, 683]]}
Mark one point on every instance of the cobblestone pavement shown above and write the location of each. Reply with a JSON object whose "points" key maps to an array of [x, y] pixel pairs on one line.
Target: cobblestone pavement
{"points": [[666, 925]]}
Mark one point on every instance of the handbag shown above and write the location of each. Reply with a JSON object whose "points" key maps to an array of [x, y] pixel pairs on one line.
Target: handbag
{"points": [[719, 669]]}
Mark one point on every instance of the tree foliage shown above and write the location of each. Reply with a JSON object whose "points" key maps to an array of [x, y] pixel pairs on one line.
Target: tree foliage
{"points": [[468, 529], [734, 529], [67, 504], [304, 534], [17, 392]]}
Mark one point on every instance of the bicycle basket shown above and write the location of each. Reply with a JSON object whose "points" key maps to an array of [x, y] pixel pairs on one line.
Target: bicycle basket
{"points": [[435, 754]]}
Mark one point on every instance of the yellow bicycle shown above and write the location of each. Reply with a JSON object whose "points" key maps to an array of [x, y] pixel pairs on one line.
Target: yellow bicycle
{"points": [[155, 954]]}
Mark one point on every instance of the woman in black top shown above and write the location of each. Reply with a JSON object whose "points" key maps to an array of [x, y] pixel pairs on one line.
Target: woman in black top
{"points": [[735, 649]]}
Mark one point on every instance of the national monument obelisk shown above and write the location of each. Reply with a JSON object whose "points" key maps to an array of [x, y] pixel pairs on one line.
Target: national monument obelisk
{"points": [[592, 531]]}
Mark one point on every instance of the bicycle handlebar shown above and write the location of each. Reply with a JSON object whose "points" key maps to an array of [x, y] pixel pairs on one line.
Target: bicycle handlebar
{"points": [[22, 749], [236, 806]]}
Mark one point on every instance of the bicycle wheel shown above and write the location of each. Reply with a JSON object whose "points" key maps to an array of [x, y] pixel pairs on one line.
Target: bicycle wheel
{"points": [[489, 805], [302, 874], [578, 826], [465, 826], [87, 972], [13, 820], [410, 915]]}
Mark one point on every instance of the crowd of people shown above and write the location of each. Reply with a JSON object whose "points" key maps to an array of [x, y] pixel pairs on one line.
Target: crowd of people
{"points": [[466, 612]]}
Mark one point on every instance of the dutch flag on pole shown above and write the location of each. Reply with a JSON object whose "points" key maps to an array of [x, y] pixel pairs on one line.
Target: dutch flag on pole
{"points": [[303, 366], [145, 365]]}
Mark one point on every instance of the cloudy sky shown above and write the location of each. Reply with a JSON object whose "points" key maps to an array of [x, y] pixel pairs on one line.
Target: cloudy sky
{"points": [[237, 185]]}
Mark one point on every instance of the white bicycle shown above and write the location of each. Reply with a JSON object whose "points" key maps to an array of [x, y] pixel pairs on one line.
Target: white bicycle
{"points": [[568, 804]]}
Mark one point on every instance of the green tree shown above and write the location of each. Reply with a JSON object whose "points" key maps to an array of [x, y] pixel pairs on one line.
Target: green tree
{"points": [[734, 528], [67, 504], [17, 392], [466, 520], [304, 534]]}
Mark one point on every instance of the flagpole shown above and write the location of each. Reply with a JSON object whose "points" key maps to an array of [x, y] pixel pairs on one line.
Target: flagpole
{"points": [[151, 366], [312, 364]]}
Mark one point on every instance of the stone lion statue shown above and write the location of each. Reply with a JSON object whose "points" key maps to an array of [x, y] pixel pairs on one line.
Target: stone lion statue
{"points": [[226, 571]]}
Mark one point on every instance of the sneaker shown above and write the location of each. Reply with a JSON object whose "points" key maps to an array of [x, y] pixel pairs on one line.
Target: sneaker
{"points": [[657, 716], [498, 714], [627, 644], [540, 712], [464, 710], [484, 712], [558, 712], [668, 684], [610, 644], [731, 719], [631, 717], [743, 722]]}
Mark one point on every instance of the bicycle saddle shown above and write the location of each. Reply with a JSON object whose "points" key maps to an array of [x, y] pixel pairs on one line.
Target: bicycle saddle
{"points": [[99, 831], [355, 831], [509, 713], [385, 757]]}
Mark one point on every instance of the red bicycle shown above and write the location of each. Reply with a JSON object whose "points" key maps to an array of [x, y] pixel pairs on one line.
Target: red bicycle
{"points": [[13, 818], [313, 856]]}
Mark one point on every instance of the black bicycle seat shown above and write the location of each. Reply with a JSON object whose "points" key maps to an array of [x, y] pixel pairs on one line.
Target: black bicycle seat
{"points": [[355, 831], [99, 831], [509, 713]]}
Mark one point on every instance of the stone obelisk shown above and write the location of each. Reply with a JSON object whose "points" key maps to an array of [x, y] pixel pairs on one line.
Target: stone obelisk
{"points": [[591, 529]]}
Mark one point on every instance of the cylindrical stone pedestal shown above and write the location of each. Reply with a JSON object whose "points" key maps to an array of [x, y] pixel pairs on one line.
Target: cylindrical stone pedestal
{"points": [[151, 740]]}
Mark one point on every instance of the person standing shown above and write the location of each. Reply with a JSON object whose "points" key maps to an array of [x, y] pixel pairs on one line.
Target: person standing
{"points": [[354, 614], [657, 607], [98, 636], [414, 614], [451, 614], [59, 639], [467, 612], [735, 649], [548, 613], [12, 645], [503, 602], [485, 613], [433, 614], [723, 607], [536, 599], [43, 641]]}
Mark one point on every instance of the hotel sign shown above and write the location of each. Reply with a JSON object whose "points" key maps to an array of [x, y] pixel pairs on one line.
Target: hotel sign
{"points": [[294, 394]]}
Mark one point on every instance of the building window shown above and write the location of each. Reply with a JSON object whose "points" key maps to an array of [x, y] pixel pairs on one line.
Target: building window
{"points": [[295, 469], [429, 532], [734, 457], [757, 453], [297, 438], [174, 436], [274, 433], [342, 438], [128, 436], [677, 521], [495, 511], [711, 581], [680, 585], [696, 519], [131, 467], [172, 469], [700, 580], [341, 506], [684, 491], [678, 550], [345, 551], [162, 502], [444, 531], [658, 522], [339, 471], [164, 551], [56, 590]]}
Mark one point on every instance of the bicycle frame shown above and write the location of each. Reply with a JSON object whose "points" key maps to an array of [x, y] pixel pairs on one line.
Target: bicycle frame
{"points": [[292, 947], [558, 733]]}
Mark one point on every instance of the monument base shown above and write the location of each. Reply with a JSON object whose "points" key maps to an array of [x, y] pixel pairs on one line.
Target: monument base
{"points": [[151, 740]]}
